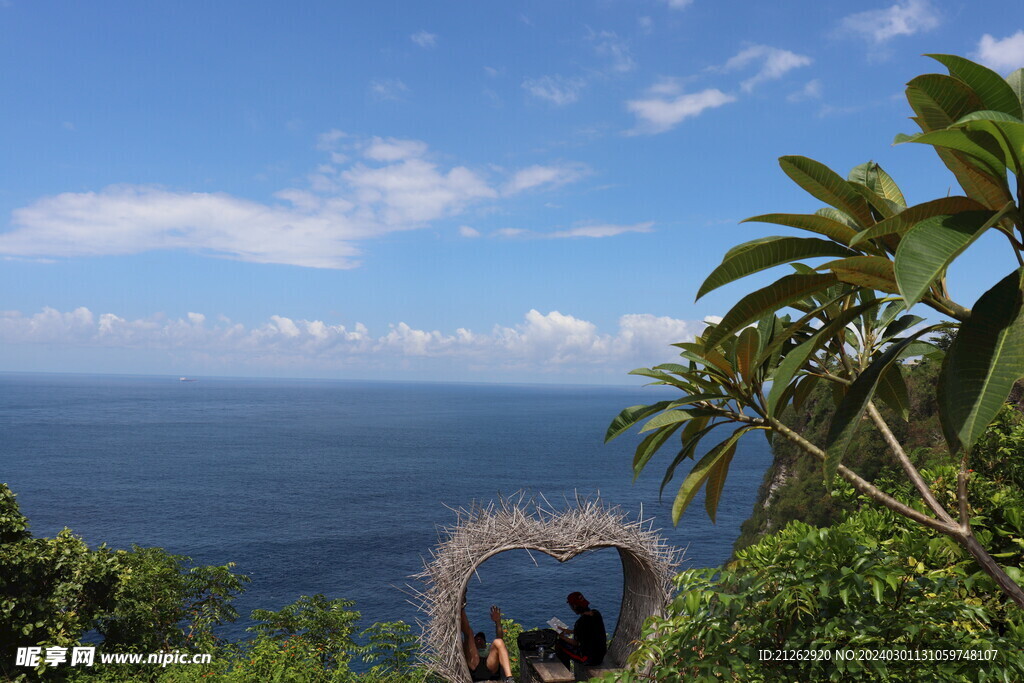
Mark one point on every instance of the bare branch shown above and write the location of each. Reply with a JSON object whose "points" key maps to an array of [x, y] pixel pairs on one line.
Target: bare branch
{"points": [[961, 494], [915, 477], [866, 487]]}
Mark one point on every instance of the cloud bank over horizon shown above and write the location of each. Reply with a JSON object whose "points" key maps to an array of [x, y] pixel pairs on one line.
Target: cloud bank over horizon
{"points": [[549, 344]]}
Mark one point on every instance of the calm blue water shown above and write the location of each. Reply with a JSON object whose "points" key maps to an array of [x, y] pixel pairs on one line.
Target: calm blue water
{"points": [[340, 487]]}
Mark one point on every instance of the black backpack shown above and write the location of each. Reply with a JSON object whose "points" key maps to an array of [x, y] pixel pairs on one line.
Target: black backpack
{"points": [[534, 640]]}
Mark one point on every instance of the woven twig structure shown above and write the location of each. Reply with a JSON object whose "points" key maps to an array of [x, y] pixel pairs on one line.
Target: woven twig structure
{"points": [[480, 532]]}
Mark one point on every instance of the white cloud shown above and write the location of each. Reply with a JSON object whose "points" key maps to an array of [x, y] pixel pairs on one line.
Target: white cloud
{"points": [[579, 231], [774, 64], [905, 18], [1002, 55], [392, 149], [543, 342], [600, 230], [467, 231], [607, 44], [412, 192], [810, 91], [392, 185], [558, 90], [388, 89], [128, 220], [550, 176], [665, 107], [424, 39], [510, 232], [329, 140], [678, 4]]}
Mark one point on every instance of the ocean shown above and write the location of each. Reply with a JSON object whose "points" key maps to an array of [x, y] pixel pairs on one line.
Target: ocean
{"points": [[342, 488]]}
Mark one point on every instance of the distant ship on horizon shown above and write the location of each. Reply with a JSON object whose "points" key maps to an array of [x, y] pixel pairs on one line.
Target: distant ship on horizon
{"points": [[187, 379]]}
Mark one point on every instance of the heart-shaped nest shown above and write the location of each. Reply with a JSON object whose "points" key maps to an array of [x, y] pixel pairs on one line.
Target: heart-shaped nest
{"points": [[482, 531]]}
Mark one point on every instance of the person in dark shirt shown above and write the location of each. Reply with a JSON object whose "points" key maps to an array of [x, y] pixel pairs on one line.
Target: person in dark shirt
{"points": [[587, 641]]}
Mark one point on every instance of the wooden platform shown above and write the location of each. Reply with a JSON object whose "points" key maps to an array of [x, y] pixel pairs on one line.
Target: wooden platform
{"points": [[534, 670]]}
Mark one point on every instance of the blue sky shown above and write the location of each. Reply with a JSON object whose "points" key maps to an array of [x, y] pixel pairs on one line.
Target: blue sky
{"points": [[466, 190]]}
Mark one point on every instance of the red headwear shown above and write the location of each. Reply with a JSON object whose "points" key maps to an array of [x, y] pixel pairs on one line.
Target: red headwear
{"points": [[576, 599]]}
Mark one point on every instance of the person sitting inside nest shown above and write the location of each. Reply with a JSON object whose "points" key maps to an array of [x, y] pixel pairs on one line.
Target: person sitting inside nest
{"points": [[587, 642], [486, 663]]}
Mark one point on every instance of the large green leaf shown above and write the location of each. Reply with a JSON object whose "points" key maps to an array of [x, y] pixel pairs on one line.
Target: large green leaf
{"points": [[902, 222], [691, 440], [922, 348], [982, 148], [988, 115], [875, 272], [888, 314], [716, 481], [630, 416], [822, 225], [988, 189], [739, 248], [766, 254], [1016, 83], [700, 472], [788, 331], [797, 357], [940, 100], [838, 216], [650, 445], [880, 205], [779, 294], [708, 356], [786, 371], [1009, 135], [671, 417], [892, 389], [825, 184], [982, 364], [745, 352], [900, 326], [930, 246], [851, 409], [878, 181], [992, 90], [802, 390]]}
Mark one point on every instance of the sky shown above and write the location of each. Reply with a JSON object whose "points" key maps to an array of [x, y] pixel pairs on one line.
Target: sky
{"points": [[458, 190]]}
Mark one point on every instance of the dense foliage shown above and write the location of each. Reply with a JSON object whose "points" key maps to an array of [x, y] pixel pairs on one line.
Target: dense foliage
{"points": [[55, 591], [872, 582]]}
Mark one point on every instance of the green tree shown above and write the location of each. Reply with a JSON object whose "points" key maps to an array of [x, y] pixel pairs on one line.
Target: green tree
{"points": [[853, 327], [51, 589], [159, 603]]}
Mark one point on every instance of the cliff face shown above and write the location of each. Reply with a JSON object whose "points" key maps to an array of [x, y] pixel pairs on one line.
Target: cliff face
{"points": [[793, 487]]}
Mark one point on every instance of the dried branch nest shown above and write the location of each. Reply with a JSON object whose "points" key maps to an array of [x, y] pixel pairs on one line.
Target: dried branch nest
{"points": [[480, 532]]}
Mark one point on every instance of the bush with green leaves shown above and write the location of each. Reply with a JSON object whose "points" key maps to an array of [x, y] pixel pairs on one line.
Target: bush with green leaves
{"points": [[160, 603], [847, 322], [53, 591], [50, 588], [872, 582]]}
